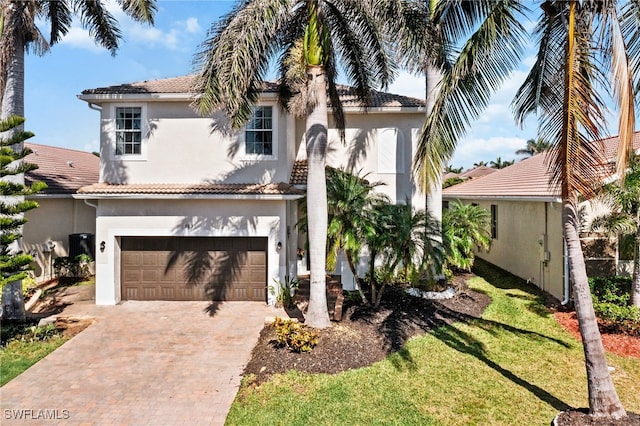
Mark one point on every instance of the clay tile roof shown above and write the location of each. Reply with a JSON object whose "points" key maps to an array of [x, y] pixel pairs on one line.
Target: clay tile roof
{"points": [[63, 170], [477, 172], [191, 189], [184, 85], [299, 173], [528, 178]]}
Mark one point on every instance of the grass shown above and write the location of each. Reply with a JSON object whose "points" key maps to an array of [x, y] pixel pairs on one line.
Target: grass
{"points": [[26, 347], [515, 365]]}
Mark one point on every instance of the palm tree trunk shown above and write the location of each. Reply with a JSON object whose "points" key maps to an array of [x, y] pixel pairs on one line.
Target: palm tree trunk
{"points": [[635, 283], [603, 398], [13, 104], [433, 76], [316, 140]]}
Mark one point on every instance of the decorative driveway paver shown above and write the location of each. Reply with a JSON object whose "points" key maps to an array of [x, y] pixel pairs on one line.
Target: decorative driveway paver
{"points": [[152, 363]]}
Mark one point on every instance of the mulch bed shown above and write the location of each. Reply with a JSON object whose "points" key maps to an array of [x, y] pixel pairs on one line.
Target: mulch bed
{"points": [[366, 335], [581, 418], [619, 344]]}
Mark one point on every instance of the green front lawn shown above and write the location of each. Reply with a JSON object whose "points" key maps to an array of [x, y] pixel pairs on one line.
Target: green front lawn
{"points": [[515, 366], [24, 348]]}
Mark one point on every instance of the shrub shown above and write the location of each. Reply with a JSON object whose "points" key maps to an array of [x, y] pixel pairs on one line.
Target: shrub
{"points": [[611, 289], [618, 319], [70, 270], [295, 336], [610, 302], [285, 292]]}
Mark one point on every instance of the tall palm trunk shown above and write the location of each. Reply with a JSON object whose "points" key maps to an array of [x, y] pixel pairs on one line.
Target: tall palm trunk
{"points": [[13, 104], [433, 76], [635, 283], [603, 398], [317, 214]]}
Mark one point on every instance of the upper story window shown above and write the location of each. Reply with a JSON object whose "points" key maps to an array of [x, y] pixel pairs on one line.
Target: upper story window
{"points": [[259, 132], [128, 130]]}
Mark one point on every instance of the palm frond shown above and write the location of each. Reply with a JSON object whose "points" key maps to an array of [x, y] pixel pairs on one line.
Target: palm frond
{"points": [[622, 78], [630, 22], [486, 59], [59, 15], [140, 10], [233, 60], [101, 24]]}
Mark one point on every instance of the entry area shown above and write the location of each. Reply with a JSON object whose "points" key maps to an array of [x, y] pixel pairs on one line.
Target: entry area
{"points": [[194, 268]]}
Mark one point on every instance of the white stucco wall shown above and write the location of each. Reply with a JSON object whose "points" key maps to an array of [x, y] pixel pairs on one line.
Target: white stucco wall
{"points": [[524, 233], [53, 221], [369, 148], [181, 147], [184, 218]]}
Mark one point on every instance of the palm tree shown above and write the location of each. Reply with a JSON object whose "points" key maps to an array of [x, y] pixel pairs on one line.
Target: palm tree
{"points": [[458, 85], [480, 164], [534, 146], [466, 228], [499, 163], [451, 169], [312, 36], [580, 45], [20, 33], [623, 199], [351, 201]]}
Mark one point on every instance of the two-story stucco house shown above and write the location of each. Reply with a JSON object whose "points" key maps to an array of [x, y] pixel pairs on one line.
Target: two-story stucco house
{"points": [[187, 209]]}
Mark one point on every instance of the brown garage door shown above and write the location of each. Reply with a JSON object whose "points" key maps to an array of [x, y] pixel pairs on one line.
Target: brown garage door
{"points": [[193, 268]]}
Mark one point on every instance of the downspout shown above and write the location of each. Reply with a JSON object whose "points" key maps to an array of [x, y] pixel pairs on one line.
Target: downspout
{"points": [[95, 206], [565, 299], [94, 106]]}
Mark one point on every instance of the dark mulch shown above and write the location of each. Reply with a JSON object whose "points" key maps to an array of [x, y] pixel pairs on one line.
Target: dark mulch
{"points": [[367, 335], [581, 418]]}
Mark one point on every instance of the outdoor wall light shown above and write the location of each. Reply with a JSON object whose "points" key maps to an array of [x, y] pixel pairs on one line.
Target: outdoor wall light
{"points": [[279, 245], [102, 246]]}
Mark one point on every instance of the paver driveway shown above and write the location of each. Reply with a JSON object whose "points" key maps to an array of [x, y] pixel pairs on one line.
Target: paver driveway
{"points": [[161, 363]]}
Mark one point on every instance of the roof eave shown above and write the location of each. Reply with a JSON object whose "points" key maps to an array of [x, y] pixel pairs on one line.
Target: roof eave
{"points": [[144, 196], [535, 198]]}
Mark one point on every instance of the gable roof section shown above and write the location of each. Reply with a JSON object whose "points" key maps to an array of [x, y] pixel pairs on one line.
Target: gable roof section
{"points": [[526, 180], [184, 86], [63, 170]]}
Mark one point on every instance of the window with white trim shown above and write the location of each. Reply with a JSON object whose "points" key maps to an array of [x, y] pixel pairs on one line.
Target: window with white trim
{"points": [[258, 134], [128, 130]]}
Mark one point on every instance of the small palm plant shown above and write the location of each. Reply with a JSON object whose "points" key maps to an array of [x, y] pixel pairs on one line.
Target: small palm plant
{"points": [[466, 227]]}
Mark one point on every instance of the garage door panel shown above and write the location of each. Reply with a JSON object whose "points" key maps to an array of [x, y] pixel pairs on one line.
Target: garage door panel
{"points": [[157, 268]]}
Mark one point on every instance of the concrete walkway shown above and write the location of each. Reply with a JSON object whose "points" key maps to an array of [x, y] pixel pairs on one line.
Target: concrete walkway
{"points": [[151, 363]]}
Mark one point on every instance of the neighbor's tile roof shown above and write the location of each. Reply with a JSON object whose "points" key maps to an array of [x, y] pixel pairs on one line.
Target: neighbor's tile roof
{"points": [[63, 170], [184, 85], [528, 178], [191, 189], [477, 172]]}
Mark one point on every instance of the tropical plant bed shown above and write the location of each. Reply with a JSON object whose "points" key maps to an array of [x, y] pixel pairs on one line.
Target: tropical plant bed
{"points": [[366, 335]]}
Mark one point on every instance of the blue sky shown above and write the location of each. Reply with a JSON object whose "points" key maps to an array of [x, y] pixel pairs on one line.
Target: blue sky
{"points": [[58, 118]]}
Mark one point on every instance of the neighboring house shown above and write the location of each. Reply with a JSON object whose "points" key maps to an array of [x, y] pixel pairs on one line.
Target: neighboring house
{"points": [[47, 232], [188, 209], [526, 223]]}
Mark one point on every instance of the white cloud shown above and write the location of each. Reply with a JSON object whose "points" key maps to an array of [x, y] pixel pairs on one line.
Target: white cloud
{"points": [[80, 38], [192, 26], [473, 150], [408, 85]]}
